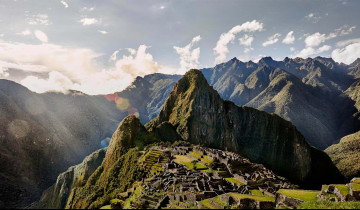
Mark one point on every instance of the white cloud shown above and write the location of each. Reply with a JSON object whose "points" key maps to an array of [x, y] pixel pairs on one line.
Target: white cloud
{"points": [[289, 39], [88, 9], [347, 42], [246, 40], [3, 71], [113, 57], [76, 68], [103, 32], [56, 82], [345, 30], [89, 21], [272, 40], [66, 5], [189, 58], [348, 53], [308, 51], [131, 51], [41, 36], [247, 50], [312, 17], [25, 33], [292, 49], [316, 39], [221, 49], [39, 19], [45, 58]]}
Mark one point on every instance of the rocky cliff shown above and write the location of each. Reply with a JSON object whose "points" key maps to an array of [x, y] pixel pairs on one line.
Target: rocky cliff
{"points": [[200, 116], [56, 196]]}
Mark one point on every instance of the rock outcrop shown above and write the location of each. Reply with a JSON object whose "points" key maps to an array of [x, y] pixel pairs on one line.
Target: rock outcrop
{"points": [[56, 196], [200, 116]]}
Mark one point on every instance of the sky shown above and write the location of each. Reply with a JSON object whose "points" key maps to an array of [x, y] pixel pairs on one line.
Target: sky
{"points": [[101, 46]]}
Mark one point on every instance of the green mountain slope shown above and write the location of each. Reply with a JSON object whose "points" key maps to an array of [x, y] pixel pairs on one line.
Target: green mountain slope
{"points": [[346, 155]]}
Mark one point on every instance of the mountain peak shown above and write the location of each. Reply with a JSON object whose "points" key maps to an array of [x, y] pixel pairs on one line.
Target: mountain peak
{"points": [[199, 115], [356, 62], [130, 133]]}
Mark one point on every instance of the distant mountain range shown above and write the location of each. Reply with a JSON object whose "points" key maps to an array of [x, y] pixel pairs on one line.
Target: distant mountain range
{"points": [[311, 93], [43, 134]]}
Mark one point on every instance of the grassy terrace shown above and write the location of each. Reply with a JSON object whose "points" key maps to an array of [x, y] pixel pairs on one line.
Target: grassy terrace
{"points": [[185, 160], [254, 197], [233, 180], [356, 181], [188, 161], [304, 195], [327, 195], [213, 203], [329, 205], [344, 190], [355, 186]]}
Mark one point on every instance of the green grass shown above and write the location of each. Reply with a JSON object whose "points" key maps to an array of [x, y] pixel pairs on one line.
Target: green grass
{"points": [[257, 193], [254, 197], [115, 201], [206, 160], [355, 186], [196, 155], [233, 180], [324, 188], [218, 201], [133, 197], [344, 190], [184, 160], [175, 206], [207, 171], [304, 195], [356, 181], [206, 203], [329, 205], [106, 207], [200, 166]]}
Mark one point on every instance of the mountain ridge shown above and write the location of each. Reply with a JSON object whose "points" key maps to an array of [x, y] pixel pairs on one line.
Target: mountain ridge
{"points": [[200, 116]]}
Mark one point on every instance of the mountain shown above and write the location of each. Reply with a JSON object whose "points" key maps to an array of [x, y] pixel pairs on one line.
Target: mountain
{"points": [[313, 94], [56, 196], [134, 176], [43, 134], [119, 169], [346, 155], [308, 93], [200, 116], [354, 93], [354, 69], [141, 169], [148, 94]]}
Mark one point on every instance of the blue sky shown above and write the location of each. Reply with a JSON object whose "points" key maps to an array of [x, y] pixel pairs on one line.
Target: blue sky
{"points": [[100, 46]]}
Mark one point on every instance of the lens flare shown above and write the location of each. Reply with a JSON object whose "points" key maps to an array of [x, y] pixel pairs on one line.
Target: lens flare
{"points": [[35, 106], [19, 128], [122, 104], [112, 97], [133, 111], [105, 143]]}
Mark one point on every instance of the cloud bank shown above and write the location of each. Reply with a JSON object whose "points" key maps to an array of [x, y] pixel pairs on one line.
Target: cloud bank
{"points": [[221, 49], [189, 58]]}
